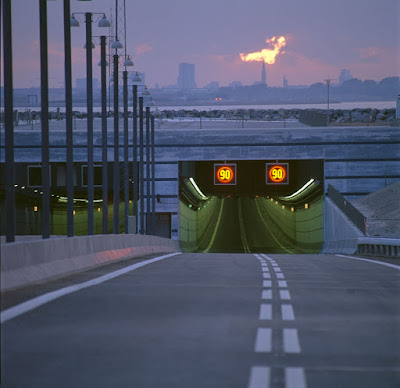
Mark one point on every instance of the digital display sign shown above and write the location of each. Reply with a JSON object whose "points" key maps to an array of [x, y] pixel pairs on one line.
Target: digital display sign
{"points": [[225, 174], [277, 173]]}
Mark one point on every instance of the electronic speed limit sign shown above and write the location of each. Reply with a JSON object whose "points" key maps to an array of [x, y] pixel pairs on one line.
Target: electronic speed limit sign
{"points": [[277, 173], [225, 174]]}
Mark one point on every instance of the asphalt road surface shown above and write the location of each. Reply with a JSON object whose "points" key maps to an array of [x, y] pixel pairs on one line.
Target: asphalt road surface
{"points": [[211, 320]]}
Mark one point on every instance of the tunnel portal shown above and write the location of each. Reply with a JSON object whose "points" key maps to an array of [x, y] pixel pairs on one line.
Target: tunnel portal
{"points": [[251, 215]]}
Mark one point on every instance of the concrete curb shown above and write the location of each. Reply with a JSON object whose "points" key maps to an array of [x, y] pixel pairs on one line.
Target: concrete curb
{"points": [[30, 262]]}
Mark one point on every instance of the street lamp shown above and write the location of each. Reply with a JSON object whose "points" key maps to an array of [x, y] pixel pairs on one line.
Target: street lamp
{"points": [[103, 22], [135, 80]]}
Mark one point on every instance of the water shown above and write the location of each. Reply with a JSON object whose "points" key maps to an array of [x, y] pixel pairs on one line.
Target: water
{"points": [[334, 105]]}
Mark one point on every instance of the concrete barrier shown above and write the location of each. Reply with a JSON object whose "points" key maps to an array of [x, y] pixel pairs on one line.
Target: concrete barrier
{"points": [[29, 262], [378, 246]]}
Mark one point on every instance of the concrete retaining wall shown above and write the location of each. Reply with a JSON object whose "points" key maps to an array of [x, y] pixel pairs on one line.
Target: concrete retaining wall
{"points": [[341, 234], [29, 262]]}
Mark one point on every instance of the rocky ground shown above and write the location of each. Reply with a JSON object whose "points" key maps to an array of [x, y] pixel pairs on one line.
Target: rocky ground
{"points": [[382, 210], [337, 116]]}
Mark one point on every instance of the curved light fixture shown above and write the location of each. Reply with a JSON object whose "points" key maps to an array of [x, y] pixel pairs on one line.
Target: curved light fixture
{"points": [[128, 62], [93, 46], [146, 92], [299, 191], [117, 45], [103, 22], [74, 21], [191, 180], [136, 78]]}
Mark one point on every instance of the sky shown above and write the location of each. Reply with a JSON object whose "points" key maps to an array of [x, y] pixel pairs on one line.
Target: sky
{"points": [[322, 37]]}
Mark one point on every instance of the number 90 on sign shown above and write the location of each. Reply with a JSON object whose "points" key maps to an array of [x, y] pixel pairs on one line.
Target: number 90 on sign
{"points": [[225, 174], [277, 173]]}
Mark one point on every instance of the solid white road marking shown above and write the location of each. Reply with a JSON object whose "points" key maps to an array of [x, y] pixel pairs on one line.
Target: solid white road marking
{"points": [[280, 275], [372, 261], [265, 312], [267, 283], [31, 304], [266, 275], [291, 342], [263, 340], [295, 378], [266, 294], [282, 283], [284, 294], [259, 377], [287, 312]]}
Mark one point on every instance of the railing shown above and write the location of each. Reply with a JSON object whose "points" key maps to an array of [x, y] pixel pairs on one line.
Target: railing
{"points": [[348, 209]]}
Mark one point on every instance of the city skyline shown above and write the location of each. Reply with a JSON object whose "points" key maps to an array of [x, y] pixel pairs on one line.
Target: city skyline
{"points": [[342, 36]]}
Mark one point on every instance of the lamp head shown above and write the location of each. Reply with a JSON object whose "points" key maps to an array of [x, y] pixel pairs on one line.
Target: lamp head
{"points": [[74, 21], [128, 62], [103, 22], [117, 45]]}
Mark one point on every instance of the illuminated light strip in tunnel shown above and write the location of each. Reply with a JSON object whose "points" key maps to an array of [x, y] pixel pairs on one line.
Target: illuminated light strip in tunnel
{"points": [[191, 180], [299, 191]]}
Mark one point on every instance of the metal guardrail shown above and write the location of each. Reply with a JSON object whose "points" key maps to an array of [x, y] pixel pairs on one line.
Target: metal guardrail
{"points": [[378, 246], [348, 209]]}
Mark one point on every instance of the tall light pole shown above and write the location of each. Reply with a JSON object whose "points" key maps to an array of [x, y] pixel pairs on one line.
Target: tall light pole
{"points": [[328, 81], [8, 121], [135, 79], [148, 182], [153, 179], [44, 118], [127, 62], [141, 167]]}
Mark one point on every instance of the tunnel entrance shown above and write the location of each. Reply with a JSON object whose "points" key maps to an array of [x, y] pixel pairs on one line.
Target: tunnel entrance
{"points": [[251, 215]]}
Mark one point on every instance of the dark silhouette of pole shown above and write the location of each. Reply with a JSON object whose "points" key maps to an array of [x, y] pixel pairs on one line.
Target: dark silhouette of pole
{"points": [[116, 149], [148, 178], [141, 166], [126, 155], [68, 121], [44, 83], [135, 166], [8, 121], [89, 97], [104, 132], [153, 179]]}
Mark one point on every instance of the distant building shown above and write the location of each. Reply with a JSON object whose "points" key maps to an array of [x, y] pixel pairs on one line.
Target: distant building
{"points": [[186, 78], [212, 85], [285, 82], [235, 84], [345, 75], [263, 74]]}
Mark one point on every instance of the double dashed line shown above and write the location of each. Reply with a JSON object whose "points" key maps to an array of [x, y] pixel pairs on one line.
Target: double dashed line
{"points": [[260, 376]]}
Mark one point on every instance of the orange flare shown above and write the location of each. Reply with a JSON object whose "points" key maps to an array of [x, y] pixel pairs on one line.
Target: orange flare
{"points": [[268, 55]]}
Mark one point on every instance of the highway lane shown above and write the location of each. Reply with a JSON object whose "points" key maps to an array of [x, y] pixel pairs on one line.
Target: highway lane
{"points": [[215, 320], [242, 229]]}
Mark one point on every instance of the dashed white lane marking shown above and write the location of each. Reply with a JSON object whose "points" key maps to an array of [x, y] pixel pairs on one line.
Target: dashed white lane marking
{"points": [[274, 264], [265, 269], [265, 256], [282, 283], [259, 377], [295, 378], [291, 342], [284, 294], [266, 275], [287, 312], [267, 283], [263, 340], [31, 304], [277, 269], [371, 261], [280, 275], [265, 312], [266, 294]]}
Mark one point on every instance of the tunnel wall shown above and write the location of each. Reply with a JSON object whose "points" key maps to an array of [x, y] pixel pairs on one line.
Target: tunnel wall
{"points": [[302, 228], [196, 226]]}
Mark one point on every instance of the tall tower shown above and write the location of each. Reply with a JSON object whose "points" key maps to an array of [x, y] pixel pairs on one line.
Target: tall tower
{"points": [[263, 74]]}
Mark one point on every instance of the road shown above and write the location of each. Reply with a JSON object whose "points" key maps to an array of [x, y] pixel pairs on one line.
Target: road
{"points": [[212, 320], [242, 228]]}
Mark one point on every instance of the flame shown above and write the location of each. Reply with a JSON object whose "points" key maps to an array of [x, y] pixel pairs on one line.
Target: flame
{"points": [[268, 55]]}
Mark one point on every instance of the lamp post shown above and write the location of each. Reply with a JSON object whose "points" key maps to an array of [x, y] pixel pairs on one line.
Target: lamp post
{"points": [[148, 182], [153, 179], [141, 167], [135, 79], [127, 62], [8, 121], [103, 22]]}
